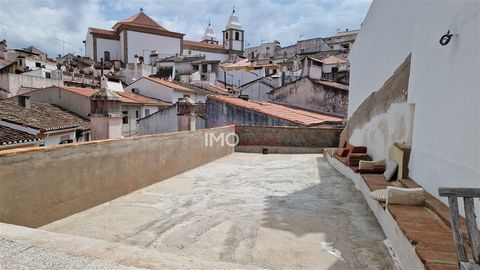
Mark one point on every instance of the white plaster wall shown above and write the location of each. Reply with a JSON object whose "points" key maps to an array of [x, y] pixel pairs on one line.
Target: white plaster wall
{"points": [[151, 89], [445, 85], [208, 55], [237, 44], [89, 45], [54, 139], [161, 122], [158, 91], [12, 82], [240, 77], [111, 45], [137, 42], [395, 125], [444, 82], [315, 72], [73, 102], [31, 64], [373, 61]]}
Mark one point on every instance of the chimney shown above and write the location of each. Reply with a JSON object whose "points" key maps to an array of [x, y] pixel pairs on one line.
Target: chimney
{"points": [[186, 114], [23, 101]]}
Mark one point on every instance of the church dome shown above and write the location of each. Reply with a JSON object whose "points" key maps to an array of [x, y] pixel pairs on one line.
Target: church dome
{"points": [[233, 22], [209, 33]]}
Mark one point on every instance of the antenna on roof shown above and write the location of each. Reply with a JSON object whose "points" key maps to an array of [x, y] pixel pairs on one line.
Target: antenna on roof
{"points": [[141, 10], [208, 22], [63, 45], [233, 9]]}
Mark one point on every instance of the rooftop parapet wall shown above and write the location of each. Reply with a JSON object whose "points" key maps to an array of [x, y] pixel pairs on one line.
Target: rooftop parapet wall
{"points": [[42, 185], [288, 136]]}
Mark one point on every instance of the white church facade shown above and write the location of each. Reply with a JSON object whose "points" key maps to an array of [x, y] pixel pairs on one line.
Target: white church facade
{"points": [[136, 38]]}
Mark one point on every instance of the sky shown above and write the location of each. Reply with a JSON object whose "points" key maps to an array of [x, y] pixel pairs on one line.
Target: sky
{"points": [[55, 26]]}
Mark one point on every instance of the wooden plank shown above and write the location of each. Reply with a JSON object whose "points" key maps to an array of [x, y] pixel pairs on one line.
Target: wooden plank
{"points": [[472, 228], [459, 192], [457, 237]]}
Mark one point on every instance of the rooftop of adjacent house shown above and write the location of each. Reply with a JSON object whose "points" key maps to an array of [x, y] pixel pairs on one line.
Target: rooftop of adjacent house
{"points": [[213, 88], [174, 85], [41, 116], [10, 136], [330, 60], [332, 84], [303, 117], [130, 98]]}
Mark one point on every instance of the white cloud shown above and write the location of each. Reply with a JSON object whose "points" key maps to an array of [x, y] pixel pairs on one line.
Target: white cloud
{"points": [[42, 22]]}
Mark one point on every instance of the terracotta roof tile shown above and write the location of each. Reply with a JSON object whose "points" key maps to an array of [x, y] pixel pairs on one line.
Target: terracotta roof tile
{"points": [[103, 32], [10, 136], [169, 84], [140, 19], [40, 116], [303, 117], [202, 44], [130, 98]]}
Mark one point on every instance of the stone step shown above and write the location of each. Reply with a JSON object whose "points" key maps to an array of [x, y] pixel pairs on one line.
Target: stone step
{"points": [[60, 251]]}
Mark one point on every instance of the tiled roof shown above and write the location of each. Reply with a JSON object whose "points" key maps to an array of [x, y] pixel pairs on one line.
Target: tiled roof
{"points": [[3, 61], [169, 84], [130, 98], [10, 136], [303, 117], [103, 32], [213, 88], [332, 59], [40, 116], [140, 19], [202, 44], [136, 98]]}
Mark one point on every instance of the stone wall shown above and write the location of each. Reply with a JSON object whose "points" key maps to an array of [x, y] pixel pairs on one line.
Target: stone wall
{"points": [[288, 136], [310, 95], [42, 185]]}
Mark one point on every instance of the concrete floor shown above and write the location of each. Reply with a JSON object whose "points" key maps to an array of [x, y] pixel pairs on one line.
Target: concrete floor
{"points": [[271, 211]]}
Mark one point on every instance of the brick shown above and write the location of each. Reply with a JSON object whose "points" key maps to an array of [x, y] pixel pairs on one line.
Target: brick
{"points": [[436, 266], [448, 258]]}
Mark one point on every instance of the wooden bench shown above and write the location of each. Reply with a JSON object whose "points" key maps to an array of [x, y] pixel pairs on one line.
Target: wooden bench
{"points": [[468, 195]]}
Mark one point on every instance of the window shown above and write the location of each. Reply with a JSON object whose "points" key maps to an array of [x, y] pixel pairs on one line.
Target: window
{"points": [[136, 114], [48, 75], [147, 112], [125, 117], [284, 54], [253, 55], [226, 35], [37, 64], [65, 139], [20, 61], [237, 36], [106, 55], [184, 95], [189, 52]]}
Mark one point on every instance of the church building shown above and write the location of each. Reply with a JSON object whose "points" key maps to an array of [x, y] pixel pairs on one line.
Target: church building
{"points": [[136, 38]]}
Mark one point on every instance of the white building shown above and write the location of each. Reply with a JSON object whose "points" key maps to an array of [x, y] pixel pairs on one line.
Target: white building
{"points": [[439, 113], [138, 36], [165, 90]]}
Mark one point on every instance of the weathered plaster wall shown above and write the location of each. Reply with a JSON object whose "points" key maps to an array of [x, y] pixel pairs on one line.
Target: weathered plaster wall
{"points": [[288, 136], [12, 82], [379, 134], [364, 120], [310, 95], [45, 184], [222, 114]]}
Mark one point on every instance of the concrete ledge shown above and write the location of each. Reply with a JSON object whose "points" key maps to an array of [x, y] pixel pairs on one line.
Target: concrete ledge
{"points": [[278, 149], [109, 251], [402, 247]]}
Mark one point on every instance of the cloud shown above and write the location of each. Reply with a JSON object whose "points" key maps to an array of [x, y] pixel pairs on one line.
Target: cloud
{"points": [[43, 22]]}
